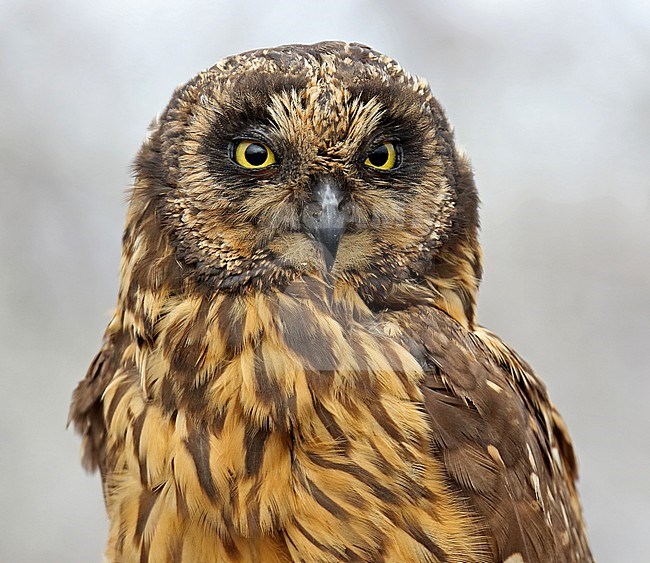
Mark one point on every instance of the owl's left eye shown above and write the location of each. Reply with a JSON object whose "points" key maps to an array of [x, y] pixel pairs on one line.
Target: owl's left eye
{"points": [[385, 157], [253, 155]]}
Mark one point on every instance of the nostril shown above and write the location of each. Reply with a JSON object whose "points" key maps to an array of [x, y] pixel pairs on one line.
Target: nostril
{"points": [[313, 210], [346, 209]]}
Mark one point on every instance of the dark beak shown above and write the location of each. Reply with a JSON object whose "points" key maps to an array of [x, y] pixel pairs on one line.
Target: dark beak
{"points": [[322, 217]]}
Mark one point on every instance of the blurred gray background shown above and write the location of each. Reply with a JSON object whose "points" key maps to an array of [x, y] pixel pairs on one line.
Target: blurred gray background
{"points": [[552, 101]]}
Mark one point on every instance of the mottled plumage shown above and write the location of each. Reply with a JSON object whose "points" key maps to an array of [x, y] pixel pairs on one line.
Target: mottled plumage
{"points": [[294, 371]]}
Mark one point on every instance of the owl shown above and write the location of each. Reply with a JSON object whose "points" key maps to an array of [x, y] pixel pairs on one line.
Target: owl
{"points": [[294, 370]]}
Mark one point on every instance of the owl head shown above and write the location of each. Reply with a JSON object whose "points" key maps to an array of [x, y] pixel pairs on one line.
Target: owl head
{"points": [[325, 160]]}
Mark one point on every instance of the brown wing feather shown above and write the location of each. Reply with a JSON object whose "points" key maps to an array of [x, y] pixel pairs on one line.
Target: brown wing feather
{"points": [[86, 409], [502, 442]]}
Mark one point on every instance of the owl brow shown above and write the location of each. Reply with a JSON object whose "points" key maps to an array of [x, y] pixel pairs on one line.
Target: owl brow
{"points": [[252, 110], [261, 87], [397, 114]]}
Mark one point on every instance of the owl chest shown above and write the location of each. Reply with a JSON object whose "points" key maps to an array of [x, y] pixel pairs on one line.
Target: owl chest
{"points": [[286, 431], [292, 447]]}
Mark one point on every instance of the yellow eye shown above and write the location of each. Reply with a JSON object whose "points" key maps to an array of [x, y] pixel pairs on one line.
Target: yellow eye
{"points": [[253, 155], [384, 157]]}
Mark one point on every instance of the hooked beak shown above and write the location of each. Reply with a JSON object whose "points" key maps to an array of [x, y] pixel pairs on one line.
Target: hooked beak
{"points": [[322, 217]]}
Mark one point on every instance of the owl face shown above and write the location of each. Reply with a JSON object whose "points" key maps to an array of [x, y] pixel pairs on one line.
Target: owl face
{"points": [[325, 160]]}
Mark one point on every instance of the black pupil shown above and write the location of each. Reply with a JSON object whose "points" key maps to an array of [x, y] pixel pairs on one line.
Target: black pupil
{"points": [[255, 154], [379, 157]]}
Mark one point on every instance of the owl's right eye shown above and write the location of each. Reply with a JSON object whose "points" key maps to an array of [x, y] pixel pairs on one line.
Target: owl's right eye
{"points": [[253, 155]]}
